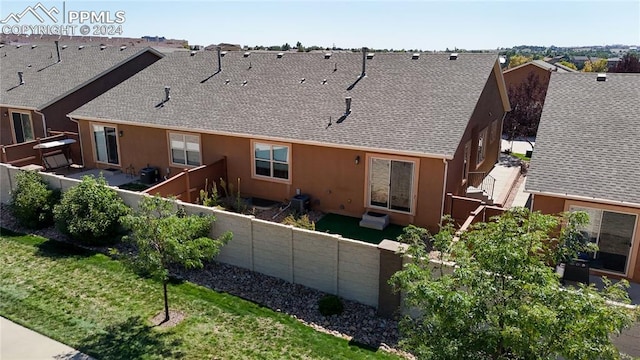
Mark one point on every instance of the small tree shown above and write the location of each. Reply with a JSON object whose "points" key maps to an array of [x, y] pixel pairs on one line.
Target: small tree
{"points": [[498, 298], [599, 66], [89, 212], [165, 237], [527, 100], [32, 201], [517, 60], [568, 64]]}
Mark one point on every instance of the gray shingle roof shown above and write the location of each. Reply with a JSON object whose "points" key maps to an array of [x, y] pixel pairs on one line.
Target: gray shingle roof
{"points": [[402, 104], [588, 140], [45, 79]]}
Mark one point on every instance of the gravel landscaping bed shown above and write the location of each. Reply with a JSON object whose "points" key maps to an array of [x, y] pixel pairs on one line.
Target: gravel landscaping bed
{"points": [[358, 323]]}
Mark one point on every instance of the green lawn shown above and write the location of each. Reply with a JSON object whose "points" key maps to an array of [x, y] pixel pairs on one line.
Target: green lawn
{"points": [[95, 304], [521, 156], [348, 227]]}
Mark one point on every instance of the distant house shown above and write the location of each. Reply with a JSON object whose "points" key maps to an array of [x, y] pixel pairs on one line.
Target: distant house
{"points": [[389, 133], [517, 75], [42, 83], [585, 159]]}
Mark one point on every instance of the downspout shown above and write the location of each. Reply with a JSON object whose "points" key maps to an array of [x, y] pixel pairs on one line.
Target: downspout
{"points": [[44, 122], [444, 188]]}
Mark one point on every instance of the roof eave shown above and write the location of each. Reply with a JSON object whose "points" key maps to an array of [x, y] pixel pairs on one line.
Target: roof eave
{"points": [[268, 138], [583, 198]]}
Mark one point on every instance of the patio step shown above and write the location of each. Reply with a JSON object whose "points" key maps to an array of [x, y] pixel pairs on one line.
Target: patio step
{"points": [[373, 220]]}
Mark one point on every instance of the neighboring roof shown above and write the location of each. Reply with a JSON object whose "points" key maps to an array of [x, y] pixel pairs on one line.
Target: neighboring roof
{"points": [[419, 106], [587, 143], [45, 79], [544, 65]]}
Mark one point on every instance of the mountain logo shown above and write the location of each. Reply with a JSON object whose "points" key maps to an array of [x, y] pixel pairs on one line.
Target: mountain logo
{"points": [[36, 12]]}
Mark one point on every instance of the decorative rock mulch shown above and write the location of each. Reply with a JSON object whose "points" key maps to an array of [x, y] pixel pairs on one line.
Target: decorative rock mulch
{"points": [[358, 323]]}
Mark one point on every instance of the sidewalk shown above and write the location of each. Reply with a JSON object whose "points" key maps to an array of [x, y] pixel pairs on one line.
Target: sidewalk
{"points": [[18, 343]]}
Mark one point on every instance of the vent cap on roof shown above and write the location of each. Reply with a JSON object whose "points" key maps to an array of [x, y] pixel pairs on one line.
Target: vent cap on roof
{"points": [[34, 46], [64, 47], [370, 55], [280, 55], [123, 47], [601, 77], [327, 55], [18, 46], [415, 56], [102, 47], [247, 53], [223, 53], [80, 47], [453, 56], [193, 53]]}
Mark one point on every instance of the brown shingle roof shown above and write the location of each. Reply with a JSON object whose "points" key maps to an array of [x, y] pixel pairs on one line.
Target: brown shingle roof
{"points": [[419, 106]]}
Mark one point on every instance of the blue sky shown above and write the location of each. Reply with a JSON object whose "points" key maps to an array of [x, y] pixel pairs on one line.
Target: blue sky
{"points": [[427, 25]]}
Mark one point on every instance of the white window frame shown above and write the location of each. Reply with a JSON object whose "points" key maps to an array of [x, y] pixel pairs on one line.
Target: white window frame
{"points": [[576, 207], [95, 145], [13, 129], [413, 184], [271, 161], [481, 152], [184, 137]]}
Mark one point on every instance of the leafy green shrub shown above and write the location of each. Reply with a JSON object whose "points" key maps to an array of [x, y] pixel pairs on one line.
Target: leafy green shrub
{"points": [[90, 212], [330, 305], [299, 221], [32, 202]]}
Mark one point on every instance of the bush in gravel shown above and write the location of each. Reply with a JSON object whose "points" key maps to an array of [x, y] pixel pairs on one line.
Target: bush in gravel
{"points": [[330, 305], [32, 202], [90, 212]]}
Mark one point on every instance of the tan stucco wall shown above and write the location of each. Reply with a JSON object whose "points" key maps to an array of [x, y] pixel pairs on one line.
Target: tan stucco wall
{"points": [[329, 175], [553, 205], [515, 77]]}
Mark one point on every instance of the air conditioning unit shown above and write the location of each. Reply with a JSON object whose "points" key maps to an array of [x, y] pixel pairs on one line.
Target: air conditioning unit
{"points": [[149, 175], [301, 203]]}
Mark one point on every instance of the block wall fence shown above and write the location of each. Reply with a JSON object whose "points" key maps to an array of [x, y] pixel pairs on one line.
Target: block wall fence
{"points": [[348, 268]]}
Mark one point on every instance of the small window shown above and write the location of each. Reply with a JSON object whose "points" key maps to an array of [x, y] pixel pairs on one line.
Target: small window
{"points": [[271, 160], [185, 149], [22, 127], [482, 146]]}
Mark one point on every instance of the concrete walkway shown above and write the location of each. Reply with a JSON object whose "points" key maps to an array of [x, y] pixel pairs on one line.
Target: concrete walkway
{"points": [[506, 173], [18, 343]]}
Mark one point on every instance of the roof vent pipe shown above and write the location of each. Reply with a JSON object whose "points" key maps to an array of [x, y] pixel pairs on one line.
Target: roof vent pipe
{"points": [[167, 95], [219, 51], [347, 101], [20, 77], [58, 49], [364, 61]]}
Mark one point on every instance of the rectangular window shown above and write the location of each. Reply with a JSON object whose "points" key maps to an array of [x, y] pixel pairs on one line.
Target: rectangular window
{"points": [[271, 160], [494, 131], [613, 233], [106, 142], [391, 184], [482, 146], [465, 164], [185, 149], [22, 127]]}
